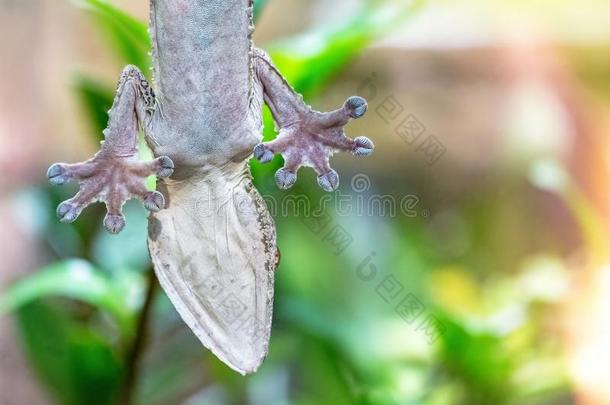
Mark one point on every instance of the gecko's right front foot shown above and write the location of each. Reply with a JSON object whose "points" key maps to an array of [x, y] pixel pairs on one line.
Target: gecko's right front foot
{"points": [[115, 174], [112, 180], [306, 137]]}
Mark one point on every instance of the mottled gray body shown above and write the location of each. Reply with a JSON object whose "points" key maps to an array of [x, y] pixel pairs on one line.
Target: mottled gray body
{"points": [[201, 52], [214, 245]]}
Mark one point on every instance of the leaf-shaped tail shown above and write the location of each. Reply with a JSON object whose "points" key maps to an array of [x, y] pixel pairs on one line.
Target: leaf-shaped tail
{"points": [[214, 252]]}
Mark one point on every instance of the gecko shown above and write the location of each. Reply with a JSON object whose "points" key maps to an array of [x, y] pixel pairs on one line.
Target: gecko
{"points": [[210, 236]]}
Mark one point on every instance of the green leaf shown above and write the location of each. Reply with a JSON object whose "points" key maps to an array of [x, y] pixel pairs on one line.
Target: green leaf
{"points": [[78, 365], [309, 60], [78, 280], [127, 249], [127, 34], [96, 99], [322, 348], [259, 6], [478, 359]]}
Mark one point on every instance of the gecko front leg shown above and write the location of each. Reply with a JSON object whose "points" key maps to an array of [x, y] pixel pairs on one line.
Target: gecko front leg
{"points": [[306, 137], [115, 173]]}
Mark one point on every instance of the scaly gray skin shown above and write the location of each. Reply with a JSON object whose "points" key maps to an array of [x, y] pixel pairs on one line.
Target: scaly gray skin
{"points": [[214, 247]]}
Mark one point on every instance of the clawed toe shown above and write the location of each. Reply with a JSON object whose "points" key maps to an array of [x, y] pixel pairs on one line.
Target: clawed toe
{"points": [[114, 223], [329, 181], [263, 154], [57, 175], [154, 202], [67, 212], [356, 106], [285, 179], [166, 166], [363, 146]]}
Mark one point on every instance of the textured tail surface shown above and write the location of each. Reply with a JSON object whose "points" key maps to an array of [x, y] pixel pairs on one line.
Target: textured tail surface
{"points": [[214, 252]]}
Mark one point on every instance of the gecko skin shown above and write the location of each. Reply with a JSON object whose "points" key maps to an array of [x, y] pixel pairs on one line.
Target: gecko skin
{"points": [[211, 238]]}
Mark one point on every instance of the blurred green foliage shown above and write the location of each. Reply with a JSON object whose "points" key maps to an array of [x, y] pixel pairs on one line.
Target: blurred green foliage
{"points": [[335, 340]]}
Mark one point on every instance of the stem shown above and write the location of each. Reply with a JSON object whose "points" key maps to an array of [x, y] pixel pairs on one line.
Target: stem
{"points": [[139, 342]]}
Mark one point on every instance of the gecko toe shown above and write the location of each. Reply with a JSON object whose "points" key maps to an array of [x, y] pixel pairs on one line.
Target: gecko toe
{"points": [[363, 146], [154, 202], [285, 178], [57, 175], [67, 212], [262, 153], [114, 223], [166, 167], [356, 106], [329, 181]]}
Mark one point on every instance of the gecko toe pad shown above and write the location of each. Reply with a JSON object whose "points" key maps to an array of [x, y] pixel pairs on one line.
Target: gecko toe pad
{"points": [[363, 146], [114, 223], [113, 180], [356, 106], [166, 166], [262, 153], [154, 202], [67, 212], [285, 178], [57, 175], [329, 181]]}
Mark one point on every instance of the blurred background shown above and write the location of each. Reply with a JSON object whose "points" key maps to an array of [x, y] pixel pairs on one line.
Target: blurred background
{"points": [[467, 261]]}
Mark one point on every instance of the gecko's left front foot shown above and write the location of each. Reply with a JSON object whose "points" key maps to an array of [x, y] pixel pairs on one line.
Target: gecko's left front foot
{"points": [[307, 137], [115, 173], [113, 180]]}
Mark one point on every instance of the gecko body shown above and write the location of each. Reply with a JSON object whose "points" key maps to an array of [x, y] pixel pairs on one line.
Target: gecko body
{"points": [[211, 238]]}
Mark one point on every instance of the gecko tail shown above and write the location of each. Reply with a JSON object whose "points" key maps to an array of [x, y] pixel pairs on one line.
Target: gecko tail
{"points": [[214, 252]]}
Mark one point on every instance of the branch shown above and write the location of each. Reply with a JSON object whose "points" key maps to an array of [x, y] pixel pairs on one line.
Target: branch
{"points": [[136, 350]]}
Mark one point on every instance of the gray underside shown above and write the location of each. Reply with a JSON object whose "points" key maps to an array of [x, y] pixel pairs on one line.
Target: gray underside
{"points": [[214, 254]]}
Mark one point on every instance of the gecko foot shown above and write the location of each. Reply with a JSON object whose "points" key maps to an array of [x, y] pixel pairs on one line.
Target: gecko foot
{"points": [[115, 174], [312, 139], [112, 180]]}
